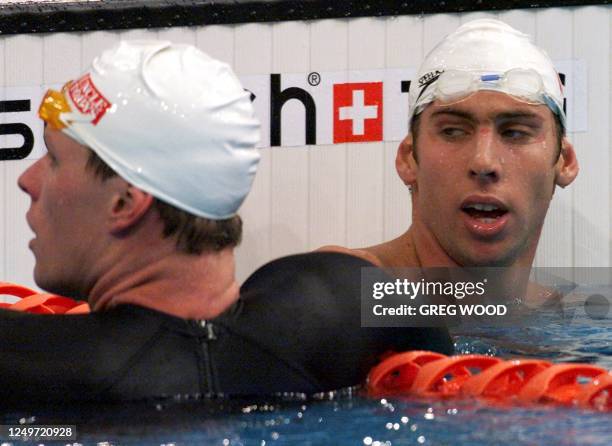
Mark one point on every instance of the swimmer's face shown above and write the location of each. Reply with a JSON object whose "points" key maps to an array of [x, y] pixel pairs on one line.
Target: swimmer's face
{"points": [[67, 210], [484, 175]]}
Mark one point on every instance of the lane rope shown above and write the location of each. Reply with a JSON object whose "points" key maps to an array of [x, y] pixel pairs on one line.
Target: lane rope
{"points": [[426, 374], [31, 301]]}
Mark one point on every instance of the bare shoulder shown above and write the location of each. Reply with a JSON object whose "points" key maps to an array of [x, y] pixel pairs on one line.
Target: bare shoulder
{"points": [[539, 295], [363, 253]]}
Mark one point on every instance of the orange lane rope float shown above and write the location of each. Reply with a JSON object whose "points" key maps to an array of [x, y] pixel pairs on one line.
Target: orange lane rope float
{"points": [[40, 303], [524, 381]]}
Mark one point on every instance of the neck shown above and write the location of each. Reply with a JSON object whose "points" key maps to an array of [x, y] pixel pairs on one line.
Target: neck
{"points": [[186, 286], [510, 280], [427, 249]]}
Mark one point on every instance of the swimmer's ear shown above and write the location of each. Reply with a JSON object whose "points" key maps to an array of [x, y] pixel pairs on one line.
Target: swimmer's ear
{"points": [[129, 205], [405, 162], [566, 167]]}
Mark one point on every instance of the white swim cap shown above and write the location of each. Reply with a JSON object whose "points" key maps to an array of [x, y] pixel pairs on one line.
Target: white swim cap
{"points": [[170, 120], [487, 54]]}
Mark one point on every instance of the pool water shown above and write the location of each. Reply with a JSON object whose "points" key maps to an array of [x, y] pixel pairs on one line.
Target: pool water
{"points": [[348, 418]]}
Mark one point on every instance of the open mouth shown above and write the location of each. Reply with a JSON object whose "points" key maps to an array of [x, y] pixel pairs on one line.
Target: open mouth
{"points": [[486, 213]]}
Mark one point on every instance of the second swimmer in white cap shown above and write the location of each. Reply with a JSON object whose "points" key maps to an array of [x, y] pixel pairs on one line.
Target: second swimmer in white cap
{"points": [[150, 153], [485, 152]]}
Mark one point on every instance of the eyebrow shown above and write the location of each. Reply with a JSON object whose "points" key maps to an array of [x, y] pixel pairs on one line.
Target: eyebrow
{"points": [[505, 116], [519, 115], [453, 112]]}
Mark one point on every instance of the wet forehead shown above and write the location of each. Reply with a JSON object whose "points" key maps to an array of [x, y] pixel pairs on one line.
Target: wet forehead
{"points": [[64, 147], [490, 106]]}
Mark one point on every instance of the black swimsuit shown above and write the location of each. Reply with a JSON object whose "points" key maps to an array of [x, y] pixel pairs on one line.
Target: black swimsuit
{"points": [[295, 328]]}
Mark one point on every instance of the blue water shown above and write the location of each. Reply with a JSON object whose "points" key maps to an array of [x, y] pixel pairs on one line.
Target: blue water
{"points": [[351, 419]]}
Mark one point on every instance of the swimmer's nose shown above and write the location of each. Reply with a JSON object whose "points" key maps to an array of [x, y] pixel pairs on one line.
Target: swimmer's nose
{"points": [[485, 164], [27, 181]]}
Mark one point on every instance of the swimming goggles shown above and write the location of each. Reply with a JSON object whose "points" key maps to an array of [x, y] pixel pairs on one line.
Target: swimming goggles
{"points": [[56, 111], [452, 86], [53, 105]]}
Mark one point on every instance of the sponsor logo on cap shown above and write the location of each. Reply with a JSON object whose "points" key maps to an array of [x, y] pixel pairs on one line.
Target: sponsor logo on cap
{"points": [[88, 99], [428, 78]]}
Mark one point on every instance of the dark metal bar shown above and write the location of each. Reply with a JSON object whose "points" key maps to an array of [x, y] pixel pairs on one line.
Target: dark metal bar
{"points": [[123, 14]]}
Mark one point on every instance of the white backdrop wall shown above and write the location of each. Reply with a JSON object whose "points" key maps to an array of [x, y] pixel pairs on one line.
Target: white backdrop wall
{"points": [[348, 194]]}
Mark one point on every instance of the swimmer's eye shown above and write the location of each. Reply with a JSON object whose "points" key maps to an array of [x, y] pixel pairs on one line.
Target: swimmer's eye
{"points": [[52, 158], [517, 135], [453, 132]]}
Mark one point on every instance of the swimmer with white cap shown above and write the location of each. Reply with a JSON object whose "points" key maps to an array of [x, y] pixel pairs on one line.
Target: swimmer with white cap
{"points": [[485, 152], [150, 154], [133, 208]]}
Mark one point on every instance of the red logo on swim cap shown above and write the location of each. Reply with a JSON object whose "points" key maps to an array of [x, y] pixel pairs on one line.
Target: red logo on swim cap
{"points": [[87, 99]]}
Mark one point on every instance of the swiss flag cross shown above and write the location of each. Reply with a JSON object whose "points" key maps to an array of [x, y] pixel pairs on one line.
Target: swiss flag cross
{"points": [[358, 112]]}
